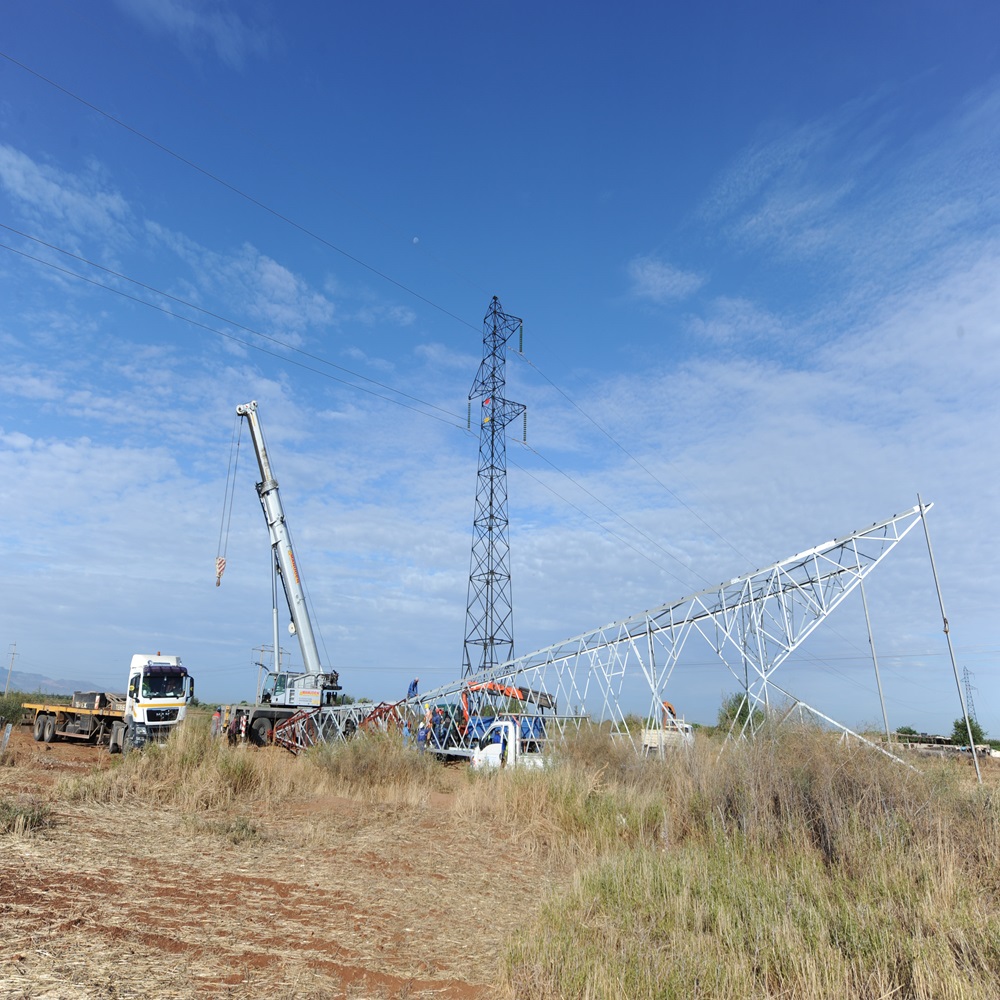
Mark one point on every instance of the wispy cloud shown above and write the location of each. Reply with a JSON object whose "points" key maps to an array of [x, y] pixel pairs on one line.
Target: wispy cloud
{"points": [[195, 24], [837, 191], [728, 320], [252, 283], [78, 204], [370, 315], [657, 281]]}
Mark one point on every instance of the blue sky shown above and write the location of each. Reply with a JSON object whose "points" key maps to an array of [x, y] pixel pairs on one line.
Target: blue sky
{"points": [[755, 252]]}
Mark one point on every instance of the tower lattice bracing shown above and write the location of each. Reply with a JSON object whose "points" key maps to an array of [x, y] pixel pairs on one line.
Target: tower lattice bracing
{"points": [[489, 634], [751, 626]]}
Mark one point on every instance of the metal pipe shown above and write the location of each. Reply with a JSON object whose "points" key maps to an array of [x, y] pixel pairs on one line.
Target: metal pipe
{"points": [[947, 635], [878, 679]]}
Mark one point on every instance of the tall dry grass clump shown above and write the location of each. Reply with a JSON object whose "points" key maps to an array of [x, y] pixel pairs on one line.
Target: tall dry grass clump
{"points": [[591, 798], [793, 867], [377, 767], [195, 771]]}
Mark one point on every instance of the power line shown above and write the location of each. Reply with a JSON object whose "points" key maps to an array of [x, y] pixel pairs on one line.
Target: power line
{"points": [[620, 517], [220, 318], [451, 419], [281, 151], [245, 343], [329, 244], [235, 190], [590, 517]]}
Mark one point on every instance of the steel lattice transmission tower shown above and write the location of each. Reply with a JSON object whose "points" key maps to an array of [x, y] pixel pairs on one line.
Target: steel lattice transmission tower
{"points": [[489, 636], [968, 695]]}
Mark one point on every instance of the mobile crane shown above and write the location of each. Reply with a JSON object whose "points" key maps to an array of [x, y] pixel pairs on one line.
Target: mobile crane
{"points": [[298, 708]]}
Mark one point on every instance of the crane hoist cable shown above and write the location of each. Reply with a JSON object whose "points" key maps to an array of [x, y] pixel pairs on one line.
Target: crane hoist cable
{"points": [[227, 502]]}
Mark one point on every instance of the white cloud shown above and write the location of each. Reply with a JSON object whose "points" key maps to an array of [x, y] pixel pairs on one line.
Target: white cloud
{"points": [[252, 284], [199, 23], [657, 281], [835, 191], [729, 320], [371, 315], [79, 204]]}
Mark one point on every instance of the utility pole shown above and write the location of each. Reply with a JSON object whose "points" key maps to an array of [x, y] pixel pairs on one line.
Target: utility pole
{"points": [[489, 637], [13, 653]]}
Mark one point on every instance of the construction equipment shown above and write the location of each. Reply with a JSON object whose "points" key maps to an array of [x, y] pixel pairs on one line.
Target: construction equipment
{"points": [[155, 703], [669, 735], [306, 701]]}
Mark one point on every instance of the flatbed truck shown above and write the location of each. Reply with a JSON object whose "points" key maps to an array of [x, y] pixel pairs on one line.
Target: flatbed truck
{"points": [[154, 704]]}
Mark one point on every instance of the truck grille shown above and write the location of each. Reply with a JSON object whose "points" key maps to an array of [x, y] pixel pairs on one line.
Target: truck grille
{"points": [[161, 715]]}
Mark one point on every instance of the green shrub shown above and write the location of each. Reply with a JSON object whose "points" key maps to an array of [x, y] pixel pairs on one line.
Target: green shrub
{"points": [[10, 708]]}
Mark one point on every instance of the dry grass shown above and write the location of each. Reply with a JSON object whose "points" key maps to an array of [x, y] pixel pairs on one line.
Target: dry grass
{"points": [[197, 772], [794, 867], [23, 815], [377, 767]]}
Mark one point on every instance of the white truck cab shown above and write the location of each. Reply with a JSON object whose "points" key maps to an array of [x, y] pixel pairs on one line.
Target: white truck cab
{"points": [[156, 700], [502, 745]]}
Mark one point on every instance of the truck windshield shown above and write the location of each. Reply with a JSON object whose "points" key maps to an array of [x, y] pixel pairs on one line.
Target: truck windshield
{"points": [[162, 685]]}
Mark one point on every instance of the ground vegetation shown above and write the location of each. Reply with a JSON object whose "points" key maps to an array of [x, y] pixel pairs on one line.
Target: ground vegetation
{"points": [[792, 866]]}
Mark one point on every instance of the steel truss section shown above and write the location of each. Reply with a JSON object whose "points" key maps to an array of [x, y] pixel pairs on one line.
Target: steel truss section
{"points": [[752, 624], [310, 726]]}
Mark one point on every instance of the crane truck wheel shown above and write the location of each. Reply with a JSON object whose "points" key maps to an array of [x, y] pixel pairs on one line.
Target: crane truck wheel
{"points": [[39, 728], [261, 730], [49, 729]]}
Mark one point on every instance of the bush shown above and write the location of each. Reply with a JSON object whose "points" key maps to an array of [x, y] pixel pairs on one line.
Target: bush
{"points": [[10, 708], [960, 734]]}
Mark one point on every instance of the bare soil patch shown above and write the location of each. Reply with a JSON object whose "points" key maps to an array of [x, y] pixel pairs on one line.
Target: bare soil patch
{"points": [[322, 898]]}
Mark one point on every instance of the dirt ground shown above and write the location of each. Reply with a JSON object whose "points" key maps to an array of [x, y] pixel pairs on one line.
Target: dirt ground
{"points": [[326, 898]]}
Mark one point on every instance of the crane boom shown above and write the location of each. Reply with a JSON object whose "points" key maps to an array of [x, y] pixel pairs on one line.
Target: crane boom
{"points": [[281, 545]]}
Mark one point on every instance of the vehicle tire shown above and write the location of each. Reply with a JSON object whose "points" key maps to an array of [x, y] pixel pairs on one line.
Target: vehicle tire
{"points": [[49, 729], [310, 732], [261, 731], [128, 738], [39, 728]]}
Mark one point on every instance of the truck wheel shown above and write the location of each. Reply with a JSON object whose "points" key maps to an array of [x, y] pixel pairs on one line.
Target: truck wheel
{"points": [[39, 728], [261, 730], [128, 738], [49, 729]]}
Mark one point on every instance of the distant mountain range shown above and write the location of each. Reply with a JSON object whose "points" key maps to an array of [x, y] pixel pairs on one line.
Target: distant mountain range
{"points": [[37, 683]]}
